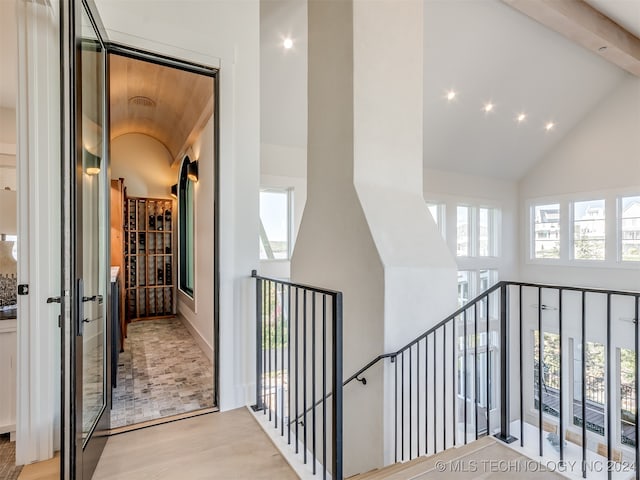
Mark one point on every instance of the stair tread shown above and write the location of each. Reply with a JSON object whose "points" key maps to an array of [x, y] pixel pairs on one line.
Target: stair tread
{"points": [[401, 470]]}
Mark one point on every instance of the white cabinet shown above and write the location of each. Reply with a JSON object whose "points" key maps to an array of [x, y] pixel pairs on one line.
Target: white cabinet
{"points": [[8, 348]]}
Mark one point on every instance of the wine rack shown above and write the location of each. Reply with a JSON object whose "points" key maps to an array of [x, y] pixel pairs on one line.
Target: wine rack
{"points": [[149, 259]]}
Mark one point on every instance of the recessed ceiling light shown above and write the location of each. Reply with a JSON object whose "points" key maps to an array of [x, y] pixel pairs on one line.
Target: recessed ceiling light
{"points": [[521, 117], [488, 107], [451, 95], [287, 43], [549, 126]]}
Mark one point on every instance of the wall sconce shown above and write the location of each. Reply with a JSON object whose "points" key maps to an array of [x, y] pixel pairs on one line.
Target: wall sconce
{"points": [[192, 171], [174, 190], [91, 163]]}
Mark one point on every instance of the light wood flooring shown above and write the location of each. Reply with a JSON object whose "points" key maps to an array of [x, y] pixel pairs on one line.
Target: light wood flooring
{"points": [[229, 445], [225, 446], [47, 470]]}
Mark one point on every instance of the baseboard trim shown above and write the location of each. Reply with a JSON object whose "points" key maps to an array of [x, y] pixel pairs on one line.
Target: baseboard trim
{"points": [[200, 340]]}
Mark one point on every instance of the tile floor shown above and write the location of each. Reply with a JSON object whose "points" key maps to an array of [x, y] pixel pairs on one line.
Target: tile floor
{"points": [[161, 373]]}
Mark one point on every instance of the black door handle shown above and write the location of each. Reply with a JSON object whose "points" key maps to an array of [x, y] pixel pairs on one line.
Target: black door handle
{"points": [[54, 300]]}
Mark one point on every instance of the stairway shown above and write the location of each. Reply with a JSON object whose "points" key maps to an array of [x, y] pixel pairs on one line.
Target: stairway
{"points": [[485, 458]]}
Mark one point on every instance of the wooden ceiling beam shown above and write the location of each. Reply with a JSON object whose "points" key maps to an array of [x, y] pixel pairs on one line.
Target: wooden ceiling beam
{"points": [[580, 22]]}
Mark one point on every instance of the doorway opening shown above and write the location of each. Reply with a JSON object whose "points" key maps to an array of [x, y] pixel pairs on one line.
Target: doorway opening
{"points": [[163, 171]]}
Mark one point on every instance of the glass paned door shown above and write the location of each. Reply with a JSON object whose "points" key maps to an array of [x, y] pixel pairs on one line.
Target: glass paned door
{"points": [[90, 374]]}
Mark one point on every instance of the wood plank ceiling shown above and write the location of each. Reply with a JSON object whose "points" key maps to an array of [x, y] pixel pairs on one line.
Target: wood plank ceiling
{"points": [[165, 103]]}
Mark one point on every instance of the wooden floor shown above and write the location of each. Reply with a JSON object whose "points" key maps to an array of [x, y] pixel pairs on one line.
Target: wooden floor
{"points": [[229, 445], [48, 470]]}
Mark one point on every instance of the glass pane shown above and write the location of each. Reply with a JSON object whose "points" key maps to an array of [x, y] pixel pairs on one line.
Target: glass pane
{"points": [[484, 232], [630, 229], [594, 385], [94, 255], [274, 225], [627, 397], [465, 288], [547, 231], [589, 230], [462, 237], [550, 373]]}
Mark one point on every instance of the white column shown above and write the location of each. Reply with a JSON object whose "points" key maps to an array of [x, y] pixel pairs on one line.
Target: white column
{"points": [[366, 229], [39, 266]]}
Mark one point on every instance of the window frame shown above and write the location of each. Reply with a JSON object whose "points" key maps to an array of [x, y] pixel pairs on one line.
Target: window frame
{"points": [[290, 221], [613, 229], [183, 184], [572, 219], [619, 233]]}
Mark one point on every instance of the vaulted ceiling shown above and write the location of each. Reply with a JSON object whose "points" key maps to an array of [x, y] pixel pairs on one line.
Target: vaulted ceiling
{"points": [[486, 52], [170, 105]]}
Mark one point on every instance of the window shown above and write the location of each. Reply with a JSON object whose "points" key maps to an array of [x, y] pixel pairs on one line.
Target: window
{"points": [[589, 230], [437, 211], [472, 283], [630, 229], [594, 386], [550, 373], [627, 397], [547, 231], [462, 236], [186, 229], [275, 224]]}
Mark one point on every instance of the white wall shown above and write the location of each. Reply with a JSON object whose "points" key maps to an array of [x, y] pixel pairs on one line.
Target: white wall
{"points": [[599, 156], [284, 167], [223, 33], [145, 165], [453, 188], [197, 313]]}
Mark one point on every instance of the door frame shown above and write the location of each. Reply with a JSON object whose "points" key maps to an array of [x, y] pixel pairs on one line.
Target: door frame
{"points": [[116, 48]]}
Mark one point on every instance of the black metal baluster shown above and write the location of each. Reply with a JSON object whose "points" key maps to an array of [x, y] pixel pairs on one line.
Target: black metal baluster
{"points": [[282, 315], [426, 394], [304, 374], [444, 387], [395, 407], [505, 366], [313, 378], [274, 352], [584, 387], [435, 397], [464, 362], [608, 386], [522, 343], [297, 419], [637, 380], [488, 367], [269, 337], [324, 386], [337, 365], [265, 316], [454, 365], [540, 401], [560, 291], [258, 344], [289, 368], [410, 402], [418, 399], [475, 366], [402, 408]]}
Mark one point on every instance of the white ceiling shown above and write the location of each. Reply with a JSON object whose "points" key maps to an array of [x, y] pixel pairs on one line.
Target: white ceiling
{"points": [[488, 52], [8, 54]]}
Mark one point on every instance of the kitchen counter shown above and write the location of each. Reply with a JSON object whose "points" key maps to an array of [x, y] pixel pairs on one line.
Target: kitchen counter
{"points": [[9, 313]]}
